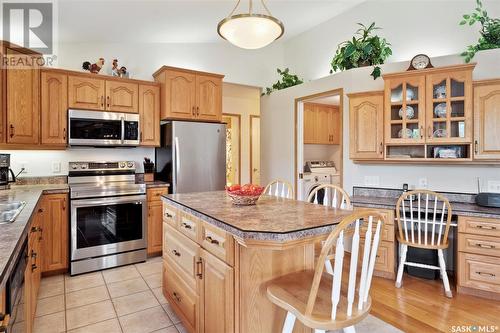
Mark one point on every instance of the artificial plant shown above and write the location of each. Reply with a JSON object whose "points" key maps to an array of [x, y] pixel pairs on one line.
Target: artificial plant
{"points": [[490, 31], [364, 49], [287, 80]]}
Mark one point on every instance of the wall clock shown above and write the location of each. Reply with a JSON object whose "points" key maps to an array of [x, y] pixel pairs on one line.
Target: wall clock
{"points": [[420, 61]]}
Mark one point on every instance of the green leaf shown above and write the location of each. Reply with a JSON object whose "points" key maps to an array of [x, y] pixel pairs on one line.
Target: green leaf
{"points": [[466, 16], [463, 22], [350, 49]]}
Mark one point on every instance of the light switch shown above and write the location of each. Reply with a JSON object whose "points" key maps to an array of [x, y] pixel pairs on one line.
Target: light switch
{"points": [[56, 167]]}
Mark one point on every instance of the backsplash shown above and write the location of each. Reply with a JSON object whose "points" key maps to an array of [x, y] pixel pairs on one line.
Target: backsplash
{"points": [[396, 193], [42, 163]]}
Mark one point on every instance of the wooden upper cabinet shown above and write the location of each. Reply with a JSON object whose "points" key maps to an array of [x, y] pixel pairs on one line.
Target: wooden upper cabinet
{"points": [[121, 96], [54, 107], [149, 112], [405, 108], [86, 92], [366, 118], [189, 95], [449, 106], [208, 98], [487, 120], [22, 106], [321, 124], [55, 232]]}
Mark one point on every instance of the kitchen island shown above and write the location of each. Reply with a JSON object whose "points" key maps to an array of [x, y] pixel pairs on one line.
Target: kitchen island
{"points": [[216, 257]]}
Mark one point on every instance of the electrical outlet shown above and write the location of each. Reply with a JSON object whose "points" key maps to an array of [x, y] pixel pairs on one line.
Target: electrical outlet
{"points": [[422, 183], [494, 186], [56, 167], [23, 167], [372, 180]]}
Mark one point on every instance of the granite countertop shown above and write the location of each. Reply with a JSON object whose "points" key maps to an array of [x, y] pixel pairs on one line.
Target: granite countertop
{"points": [[458, 208], [13, 235], [273, 219]]}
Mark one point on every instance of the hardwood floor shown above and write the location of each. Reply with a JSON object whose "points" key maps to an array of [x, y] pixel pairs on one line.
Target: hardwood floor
{"points": [[421, 306]]}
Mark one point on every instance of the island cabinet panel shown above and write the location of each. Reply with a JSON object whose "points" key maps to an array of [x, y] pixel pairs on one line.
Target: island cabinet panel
{"points": [[487, 120], [122, 96], [86, 93], [55, 233], [54, 108], [366, 115]]}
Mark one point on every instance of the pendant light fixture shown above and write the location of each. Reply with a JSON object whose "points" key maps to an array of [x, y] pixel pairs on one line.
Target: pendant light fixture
{"points": [[250, 30]]}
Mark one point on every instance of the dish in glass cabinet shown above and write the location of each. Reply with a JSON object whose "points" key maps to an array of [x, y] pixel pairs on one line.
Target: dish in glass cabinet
{"points": [[439, 133], [408, 133], [440, 92], [440, 110], [410, 112]]}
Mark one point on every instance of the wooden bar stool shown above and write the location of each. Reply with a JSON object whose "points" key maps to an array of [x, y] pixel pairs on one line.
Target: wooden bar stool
{"points": [[328, 302], [279, 188], [421, 225]]}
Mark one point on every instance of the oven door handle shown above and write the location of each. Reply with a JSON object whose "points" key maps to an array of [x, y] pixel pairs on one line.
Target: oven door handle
{"points": [[177, 160], [139, 199], [122, 120]]}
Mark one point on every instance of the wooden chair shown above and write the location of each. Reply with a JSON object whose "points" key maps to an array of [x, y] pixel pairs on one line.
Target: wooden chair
{"points": [[421, 224], [279, 188], [333, 196], [328, 302]]}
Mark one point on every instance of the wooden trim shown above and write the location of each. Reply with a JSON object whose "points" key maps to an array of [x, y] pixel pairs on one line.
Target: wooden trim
{"points": [[485, 82], [340, 168], [239, 141], [478, 293], [433, 70], [177, 69], [21, 49], [97, 76], [252, 116], [366, 93]]}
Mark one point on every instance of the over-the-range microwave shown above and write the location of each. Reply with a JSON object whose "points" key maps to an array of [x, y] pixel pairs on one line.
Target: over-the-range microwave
{"points": [[101, 128]]}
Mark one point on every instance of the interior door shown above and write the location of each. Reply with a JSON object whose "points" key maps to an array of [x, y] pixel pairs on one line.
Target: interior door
{"points": [[233, 148], [255, 149]]}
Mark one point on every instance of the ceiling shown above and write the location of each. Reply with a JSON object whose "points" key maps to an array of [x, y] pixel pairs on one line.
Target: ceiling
{"points": [[178, 21]]}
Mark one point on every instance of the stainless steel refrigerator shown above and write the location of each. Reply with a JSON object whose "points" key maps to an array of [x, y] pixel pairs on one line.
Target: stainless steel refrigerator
{"points": [[192, 156]]}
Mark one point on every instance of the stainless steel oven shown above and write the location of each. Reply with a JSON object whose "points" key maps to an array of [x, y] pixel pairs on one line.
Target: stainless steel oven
{"points": [[101, 128], [108, 216], [15, 293]]}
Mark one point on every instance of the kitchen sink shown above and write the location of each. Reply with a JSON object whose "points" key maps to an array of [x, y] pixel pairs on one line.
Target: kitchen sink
{"points": [[10, 211]]}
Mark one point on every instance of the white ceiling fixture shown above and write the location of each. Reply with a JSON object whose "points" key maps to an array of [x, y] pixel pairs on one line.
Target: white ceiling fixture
{"points": [[250, 30]]}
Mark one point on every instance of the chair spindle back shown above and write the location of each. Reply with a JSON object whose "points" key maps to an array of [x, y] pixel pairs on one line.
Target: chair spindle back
{"points": [[279, 188], [333, 196]]}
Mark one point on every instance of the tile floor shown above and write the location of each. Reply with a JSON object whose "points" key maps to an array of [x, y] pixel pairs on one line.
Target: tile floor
{"points": [[126, 299]]}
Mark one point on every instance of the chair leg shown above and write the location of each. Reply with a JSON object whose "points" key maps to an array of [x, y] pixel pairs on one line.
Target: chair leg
{"points": [[444, 275], [289, 323], [328, 266], [402, 260], [349, 329]]}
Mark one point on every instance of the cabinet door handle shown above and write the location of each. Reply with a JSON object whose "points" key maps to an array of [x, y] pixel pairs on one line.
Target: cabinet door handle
{"points": [[176, 253], [193, 111], [33, 254], [198, 111], [199, 268], [33, 267], [421, 132], [381, 147], [429, 135], [187, 226], [486, 274], [212, 241], [102, 101], [476, 144], [64, 134], [11, 130], [107, 101]]}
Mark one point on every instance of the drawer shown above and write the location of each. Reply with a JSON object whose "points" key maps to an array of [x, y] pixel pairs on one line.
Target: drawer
{"points": [[388, 214], [386, 234], [182, 251], [486, 245], [183, 299], [154, 194], [218, 242], [479, 226], [189, 225], [479, 272], [170, 215]]}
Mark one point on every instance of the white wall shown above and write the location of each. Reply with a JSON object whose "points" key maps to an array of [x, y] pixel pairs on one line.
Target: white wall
{"points": [[251, 67], [277, 132], [411, 27], [39, 162]]}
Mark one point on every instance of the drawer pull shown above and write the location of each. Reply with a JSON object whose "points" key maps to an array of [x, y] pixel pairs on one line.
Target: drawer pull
{"points": [[486, 227], [187, 226], [176, 253], [176, 296], [484, 246], [212, 241], [169, 215], [199, 268], [33, 267], [486, 274], [33, 254]]}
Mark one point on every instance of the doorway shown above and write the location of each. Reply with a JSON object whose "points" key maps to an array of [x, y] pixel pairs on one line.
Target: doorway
{"points": [[318, 141], [233, 148], [255, 149]]}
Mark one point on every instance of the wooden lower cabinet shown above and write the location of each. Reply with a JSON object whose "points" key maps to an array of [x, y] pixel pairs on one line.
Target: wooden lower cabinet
{"points": [[155, 221], [55, 233]]}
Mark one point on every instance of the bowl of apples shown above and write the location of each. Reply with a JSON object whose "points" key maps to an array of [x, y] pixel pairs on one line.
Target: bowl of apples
{"points": [[244, 195]]}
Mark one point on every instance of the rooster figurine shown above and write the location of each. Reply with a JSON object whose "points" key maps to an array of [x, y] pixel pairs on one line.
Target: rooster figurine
{"points": [[93, 68]]}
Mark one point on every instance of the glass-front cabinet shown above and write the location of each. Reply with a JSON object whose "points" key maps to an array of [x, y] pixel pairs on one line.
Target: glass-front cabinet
{"points": [[449, 107], [405, 109]]}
